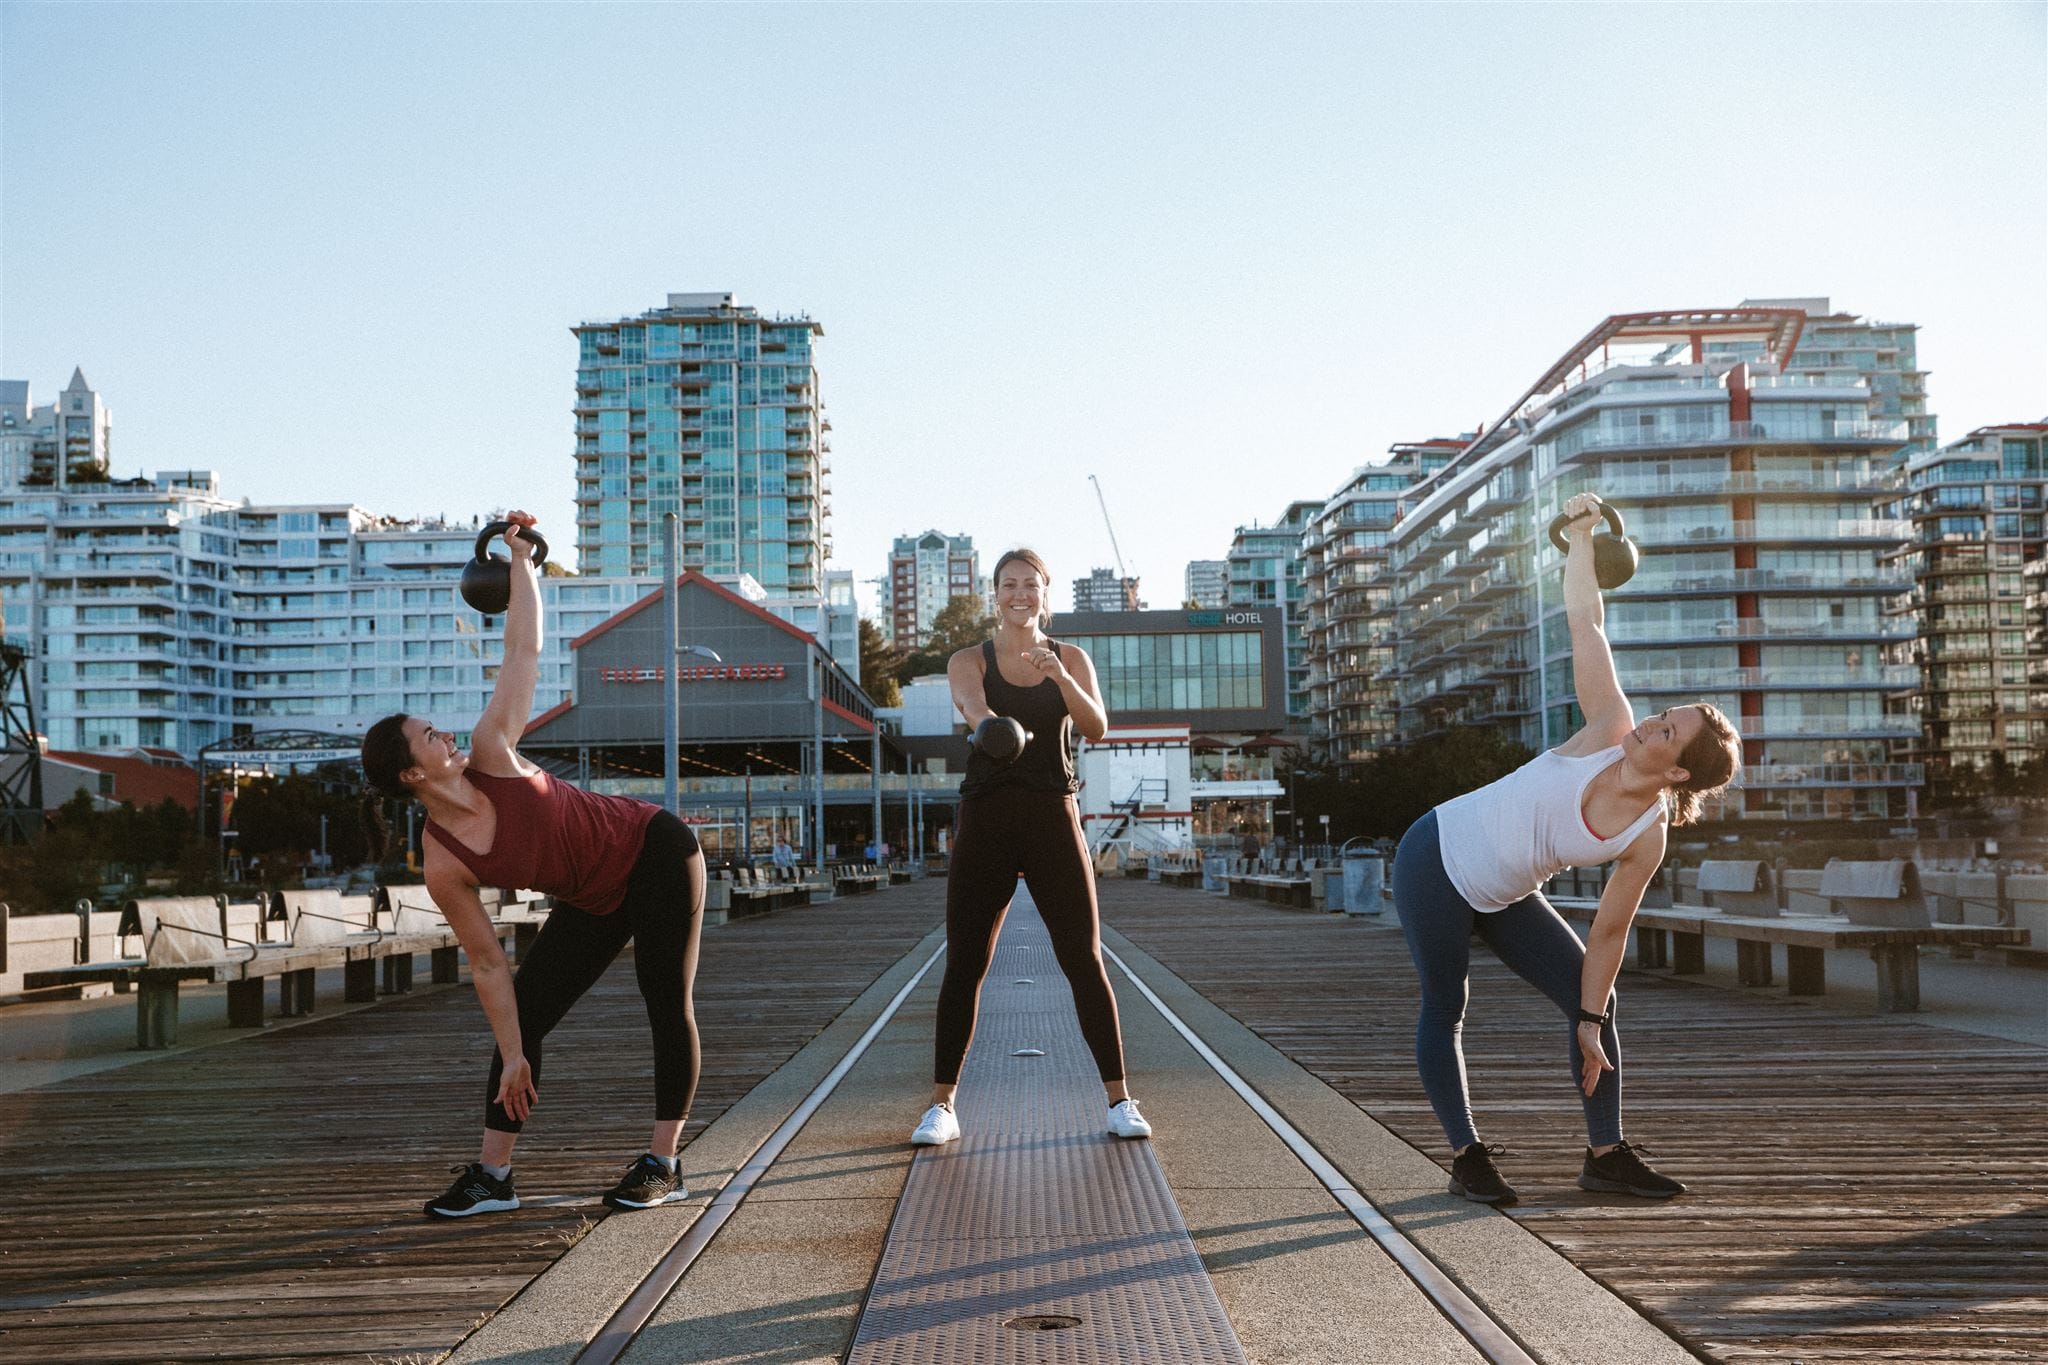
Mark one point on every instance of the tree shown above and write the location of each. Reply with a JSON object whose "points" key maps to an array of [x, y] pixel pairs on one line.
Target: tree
{"points": [[963, 621], [277, 820], [878, 663], [1398, 786], [62, 866]]}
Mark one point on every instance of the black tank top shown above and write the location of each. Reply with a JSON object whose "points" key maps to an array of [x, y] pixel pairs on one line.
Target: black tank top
{"points": [[1045, 764]]}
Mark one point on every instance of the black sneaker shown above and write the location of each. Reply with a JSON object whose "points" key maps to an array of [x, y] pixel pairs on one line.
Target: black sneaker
{"points": [[647, 1183], [1622, 1171], [475, 1190], [1475, 1176]]}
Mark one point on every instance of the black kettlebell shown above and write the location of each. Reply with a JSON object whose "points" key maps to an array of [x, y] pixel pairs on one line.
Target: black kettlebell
{"points": [[1002, 738], [486, 579], [1614, 554]]}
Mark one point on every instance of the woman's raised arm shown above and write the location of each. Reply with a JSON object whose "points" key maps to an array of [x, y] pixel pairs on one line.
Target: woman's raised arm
{"points": [[1593, 677], [498, 730]]}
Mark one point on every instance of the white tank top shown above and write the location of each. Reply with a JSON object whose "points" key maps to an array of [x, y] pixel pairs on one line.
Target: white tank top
{"points": [[1503, 841]]}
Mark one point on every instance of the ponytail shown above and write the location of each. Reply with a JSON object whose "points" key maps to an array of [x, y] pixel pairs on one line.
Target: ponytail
{"points": [[1710, 761], [387, 753]]}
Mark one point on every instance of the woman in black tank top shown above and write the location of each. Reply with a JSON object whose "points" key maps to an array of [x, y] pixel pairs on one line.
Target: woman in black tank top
{"points": [[1020, 817]]}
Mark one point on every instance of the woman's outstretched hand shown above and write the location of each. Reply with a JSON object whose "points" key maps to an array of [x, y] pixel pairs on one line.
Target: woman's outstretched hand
{"points": [[1593, 1057], [1584, 511], [515, 1090], [521, 547]]}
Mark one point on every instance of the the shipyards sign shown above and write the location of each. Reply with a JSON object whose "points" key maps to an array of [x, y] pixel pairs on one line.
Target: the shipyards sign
{"points": [[652, 673]]}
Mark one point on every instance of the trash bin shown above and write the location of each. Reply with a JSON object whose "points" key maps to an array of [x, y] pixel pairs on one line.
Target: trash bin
{"points": [[1215, 870], [1365, 875]]}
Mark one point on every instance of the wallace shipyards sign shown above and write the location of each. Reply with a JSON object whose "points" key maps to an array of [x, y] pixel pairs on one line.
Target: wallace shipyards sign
{"points": [[652, 673]]}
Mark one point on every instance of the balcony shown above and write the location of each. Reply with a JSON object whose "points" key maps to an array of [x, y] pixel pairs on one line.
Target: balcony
{"points": [[1833, 775], [1757, 580], [1790, 531], [1622, 631], [1825, 482], [1887, 677], [1842, 726], [1573, 445]]}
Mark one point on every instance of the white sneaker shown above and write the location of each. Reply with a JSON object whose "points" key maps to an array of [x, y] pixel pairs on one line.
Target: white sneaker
{"points": [[937, 1127], [1126, 1122]]}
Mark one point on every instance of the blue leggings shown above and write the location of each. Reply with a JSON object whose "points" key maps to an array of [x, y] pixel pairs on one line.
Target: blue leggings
{"points": [[1535, 943]]}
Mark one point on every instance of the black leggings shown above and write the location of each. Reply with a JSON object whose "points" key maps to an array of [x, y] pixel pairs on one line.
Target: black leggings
{"points": [[663, 915], [1038, 833]]}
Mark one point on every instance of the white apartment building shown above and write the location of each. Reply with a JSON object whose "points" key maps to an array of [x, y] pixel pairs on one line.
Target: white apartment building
{"points": [[159, 613]]}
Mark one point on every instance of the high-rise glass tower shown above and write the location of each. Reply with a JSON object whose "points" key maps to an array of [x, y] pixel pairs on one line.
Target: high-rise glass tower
{"points": [[708, 409], [1976, 509], [1207, 583], [1347, 609], [1266, 568], [925, 573]]}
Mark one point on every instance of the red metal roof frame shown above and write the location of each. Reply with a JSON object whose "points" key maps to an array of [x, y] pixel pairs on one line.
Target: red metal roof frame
{"points": [[1779, 326], [690, 576]]}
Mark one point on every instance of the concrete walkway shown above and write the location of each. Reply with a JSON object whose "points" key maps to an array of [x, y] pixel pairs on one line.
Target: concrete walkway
{"points": [[1301, 1282]]}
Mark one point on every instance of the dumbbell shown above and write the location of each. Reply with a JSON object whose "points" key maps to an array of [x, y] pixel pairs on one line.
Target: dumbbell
{"points": [[1001, 738], [1614, 554]]}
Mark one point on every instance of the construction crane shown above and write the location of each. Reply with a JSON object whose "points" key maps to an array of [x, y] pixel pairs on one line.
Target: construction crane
{"points": [[1122, 576]]}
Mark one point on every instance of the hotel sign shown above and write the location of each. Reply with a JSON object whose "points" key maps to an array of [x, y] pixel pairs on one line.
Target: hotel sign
{"points": [[652, 673], [1226, 618]]}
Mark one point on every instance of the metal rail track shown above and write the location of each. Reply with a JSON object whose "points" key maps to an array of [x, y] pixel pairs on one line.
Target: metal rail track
{"points": [[1487, 1334]]}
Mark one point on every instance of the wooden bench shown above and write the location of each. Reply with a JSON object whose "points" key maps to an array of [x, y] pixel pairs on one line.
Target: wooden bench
{"points": [[1806, 940], [167, 941], [756, 893], [1276, 883], [858, 879], [1740, 887]]}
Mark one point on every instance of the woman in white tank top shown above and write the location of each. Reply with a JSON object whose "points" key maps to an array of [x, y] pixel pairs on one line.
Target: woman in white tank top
{"points": [[1476, 864]]}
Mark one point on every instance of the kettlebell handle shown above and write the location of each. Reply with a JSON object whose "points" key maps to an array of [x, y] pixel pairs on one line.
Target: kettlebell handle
{"points": [[1563, 542], [492, 530]]}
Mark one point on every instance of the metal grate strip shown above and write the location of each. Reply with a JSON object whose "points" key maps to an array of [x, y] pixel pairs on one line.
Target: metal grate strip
{"points": [[1036, 1212]]}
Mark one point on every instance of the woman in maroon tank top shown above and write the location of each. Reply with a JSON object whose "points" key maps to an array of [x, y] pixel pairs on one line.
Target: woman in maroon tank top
{"points": [[1018, 817], [618, 870]]}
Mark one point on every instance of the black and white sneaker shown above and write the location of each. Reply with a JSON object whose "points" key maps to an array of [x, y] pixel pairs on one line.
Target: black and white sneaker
{"points": [[1474, 1175], [647, 1182], [475, 1190], [1623, 1171]]}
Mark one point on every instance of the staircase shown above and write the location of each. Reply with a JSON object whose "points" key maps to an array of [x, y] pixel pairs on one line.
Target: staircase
{"points": [[1129, 830]]}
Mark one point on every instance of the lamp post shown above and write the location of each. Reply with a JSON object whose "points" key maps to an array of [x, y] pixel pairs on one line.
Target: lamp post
{"points": [[671, 684]]}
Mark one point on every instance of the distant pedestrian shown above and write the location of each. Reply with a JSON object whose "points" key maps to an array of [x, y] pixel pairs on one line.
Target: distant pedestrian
{"points": [[784, 855]]}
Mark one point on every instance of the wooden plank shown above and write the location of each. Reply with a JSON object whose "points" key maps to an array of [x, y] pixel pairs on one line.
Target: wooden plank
{"points": [[269, 1191], [1864, 1188]]}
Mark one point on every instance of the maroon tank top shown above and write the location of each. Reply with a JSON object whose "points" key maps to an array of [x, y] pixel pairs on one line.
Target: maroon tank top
{"points": [[557, 839]]}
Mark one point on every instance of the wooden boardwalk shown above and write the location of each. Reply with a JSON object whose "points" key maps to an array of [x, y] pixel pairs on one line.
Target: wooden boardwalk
{"points": [[260, 1201], [1865, 1188]]}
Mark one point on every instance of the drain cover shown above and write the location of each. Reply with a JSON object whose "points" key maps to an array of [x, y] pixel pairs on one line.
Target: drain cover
{"points": [[1043, 1322]]}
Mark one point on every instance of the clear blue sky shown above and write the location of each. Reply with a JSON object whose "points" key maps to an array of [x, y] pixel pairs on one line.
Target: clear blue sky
{"points": [[1218, 255]]}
